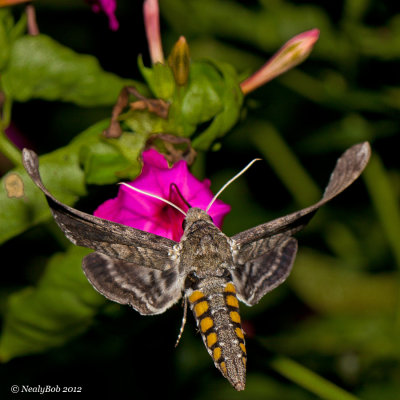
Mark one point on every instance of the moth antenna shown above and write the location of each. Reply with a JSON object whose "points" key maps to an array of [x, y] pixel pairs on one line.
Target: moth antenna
{"points": [[230, 181], [183, 321], [153, 195]]}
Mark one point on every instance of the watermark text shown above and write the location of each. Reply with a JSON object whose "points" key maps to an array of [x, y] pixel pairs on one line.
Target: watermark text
{"points": [[43, 389]]}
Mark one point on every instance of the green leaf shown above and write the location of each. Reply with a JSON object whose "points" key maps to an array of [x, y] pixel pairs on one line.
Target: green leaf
{"points": [[61, 173], [113, 159], [159, 78], [101, 161], [143, 122], [89, 158], [231, 99], [203, 97], [61, 307], [9, 32], [212, 96], [198, 102], [39, 67]]}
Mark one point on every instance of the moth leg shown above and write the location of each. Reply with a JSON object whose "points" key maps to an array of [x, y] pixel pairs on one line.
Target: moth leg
{"points": [[183, 321]]}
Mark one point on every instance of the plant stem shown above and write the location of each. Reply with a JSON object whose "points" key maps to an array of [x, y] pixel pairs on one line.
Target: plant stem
{"points": [[9, 150], [310, 380]]}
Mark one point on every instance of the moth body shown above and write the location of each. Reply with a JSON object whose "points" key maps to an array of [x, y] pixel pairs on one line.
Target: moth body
{"points": [[207, 262]]}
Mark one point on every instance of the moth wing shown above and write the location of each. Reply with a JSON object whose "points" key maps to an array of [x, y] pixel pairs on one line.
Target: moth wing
{"points": [[115, 240], [148, 291], [265, 272], [348, 168]]}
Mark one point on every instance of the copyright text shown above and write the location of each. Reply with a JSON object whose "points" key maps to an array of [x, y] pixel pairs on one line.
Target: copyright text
{"points": [[42, 389]]}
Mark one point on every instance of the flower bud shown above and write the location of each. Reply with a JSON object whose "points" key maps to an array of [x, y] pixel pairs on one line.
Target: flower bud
{"points": [[292, 53], [179, 61], [152, 25]]}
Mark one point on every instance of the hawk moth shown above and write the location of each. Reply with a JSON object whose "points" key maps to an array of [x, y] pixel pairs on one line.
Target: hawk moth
{"points": [[211, 270]]}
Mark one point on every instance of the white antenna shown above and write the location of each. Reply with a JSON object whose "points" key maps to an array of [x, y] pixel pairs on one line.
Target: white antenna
{"points": [[230, 181], [153, 195]]}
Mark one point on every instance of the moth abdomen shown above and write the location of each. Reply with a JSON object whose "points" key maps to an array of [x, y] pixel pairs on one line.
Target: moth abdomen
{"points": [[216, 310]]}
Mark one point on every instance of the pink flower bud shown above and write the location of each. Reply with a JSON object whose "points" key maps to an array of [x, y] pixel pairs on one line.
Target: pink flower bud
{"points": [[152, 25], [292, 53]]}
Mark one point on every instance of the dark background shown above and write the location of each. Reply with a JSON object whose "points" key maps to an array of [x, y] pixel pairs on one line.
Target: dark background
{"points": [[353, 96]]}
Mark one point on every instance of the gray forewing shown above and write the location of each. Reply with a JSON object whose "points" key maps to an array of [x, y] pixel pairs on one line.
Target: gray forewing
{"points": [[116, 240], [147, 291], [264, 255], [348, 168]]}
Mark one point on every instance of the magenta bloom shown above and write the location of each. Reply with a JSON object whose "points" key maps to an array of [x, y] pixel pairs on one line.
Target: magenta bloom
{"points": [[152, 215], [108, 7]]}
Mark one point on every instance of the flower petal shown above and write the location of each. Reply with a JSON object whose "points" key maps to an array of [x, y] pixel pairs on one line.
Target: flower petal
{"points": [[108, 7], [175, 184]]}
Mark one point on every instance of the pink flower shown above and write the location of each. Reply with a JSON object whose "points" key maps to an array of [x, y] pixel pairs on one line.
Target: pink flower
{"points": [[152, 215], [108, 7]]}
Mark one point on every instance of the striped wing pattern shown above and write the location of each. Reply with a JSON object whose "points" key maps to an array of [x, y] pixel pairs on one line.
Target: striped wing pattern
{"points": [[263, 273], [148, 291]]}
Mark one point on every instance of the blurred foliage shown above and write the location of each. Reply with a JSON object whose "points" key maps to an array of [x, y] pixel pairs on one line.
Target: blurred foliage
{"points": [[35, 323], [332, 330]]}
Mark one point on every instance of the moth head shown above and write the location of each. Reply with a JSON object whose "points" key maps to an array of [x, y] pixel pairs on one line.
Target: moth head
{"points": [[193, 215]]}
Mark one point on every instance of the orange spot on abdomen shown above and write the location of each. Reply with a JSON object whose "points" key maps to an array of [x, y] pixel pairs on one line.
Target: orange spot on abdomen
{"points": [[200, 308], [230, 287], [232, 301], [205, 324], [235, 317], [197, 295]]}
